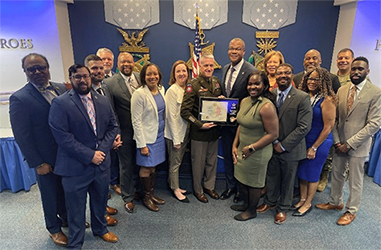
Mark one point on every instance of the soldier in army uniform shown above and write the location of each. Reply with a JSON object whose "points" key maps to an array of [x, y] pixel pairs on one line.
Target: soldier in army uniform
{"points": [[204, 136]]}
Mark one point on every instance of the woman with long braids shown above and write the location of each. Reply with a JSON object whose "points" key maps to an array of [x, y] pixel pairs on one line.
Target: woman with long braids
{"points": [[318, 84]]}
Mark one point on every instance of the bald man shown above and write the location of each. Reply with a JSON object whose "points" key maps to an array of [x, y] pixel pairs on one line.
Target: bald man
{"points": [[312, 59], [121, 86]]}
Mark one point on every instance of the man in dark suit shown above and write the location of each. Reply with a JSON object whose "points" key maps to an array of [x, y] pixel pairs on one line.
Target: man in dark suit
{"points": [[121, 87], [95, 65], [312, 59], [29, 112], [295, 116], [108, 61], [358, 118], [234, 78], [84, 127]]}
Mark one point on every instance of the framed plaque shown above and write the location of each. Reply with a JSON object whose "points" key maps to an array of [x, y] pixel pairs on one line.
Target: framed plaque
{"points": [[221, 111]]}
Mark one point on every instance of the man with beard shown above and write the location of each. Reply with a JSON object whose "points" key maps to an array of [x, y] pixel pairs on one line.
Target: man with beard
{"points": [[108, 61], [358, 118], [295, 116], [312, 59], [84, 127], [234, 78], [95, 65], [121, 86], [29, 112]]}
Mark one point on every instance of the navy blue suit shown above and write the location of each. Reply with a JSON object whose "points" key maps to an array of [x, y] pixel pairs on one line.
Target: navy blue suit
{"points": [[77, 143], [239, 91], [29, 112]]}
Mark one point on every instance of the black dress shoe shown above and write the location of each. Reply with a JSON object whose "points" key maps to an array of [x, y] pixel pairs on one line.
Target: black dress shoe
{"points": [[185, 200], [227, 193], [213, 194], [237, 197], [240, 208], [297, 213]]}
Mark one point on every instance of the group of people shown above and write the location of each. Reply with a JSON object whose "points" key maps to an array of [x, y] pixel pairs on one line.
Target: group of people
{"points": [[122, 124]]}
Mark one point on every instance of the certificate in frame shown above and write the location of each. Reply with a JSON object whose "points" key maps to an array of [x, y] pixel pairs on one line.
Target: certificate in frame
{"points": [[221, 111]]}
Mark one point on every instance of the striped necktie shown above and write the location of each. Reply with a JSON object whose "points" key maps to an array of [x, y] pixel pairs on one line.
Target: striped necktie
{"points": [[90, 111]]}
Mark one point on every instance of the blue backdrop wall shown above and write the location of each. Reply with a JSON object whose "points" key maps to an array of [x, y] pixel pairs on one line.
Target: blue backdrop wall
{"points": [[315, 27]]}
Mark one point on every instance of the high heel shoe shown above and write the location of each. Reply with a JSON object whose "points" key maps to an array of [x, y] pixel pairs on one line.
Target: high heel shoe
{"points": [[297, 213], [185, 200], [293, 207]]}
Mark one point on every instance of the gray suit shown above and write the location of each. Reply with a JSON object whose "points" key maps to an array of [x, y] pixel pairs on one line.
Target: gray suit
{"points": [[295, 117], [355, 128], [122, 104], [228, 133]]}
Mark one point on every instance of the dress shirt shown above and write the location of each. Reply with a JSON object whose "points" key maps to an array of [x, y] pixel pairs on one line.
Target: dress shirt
{"points": [[130, 80], [237, 68]]}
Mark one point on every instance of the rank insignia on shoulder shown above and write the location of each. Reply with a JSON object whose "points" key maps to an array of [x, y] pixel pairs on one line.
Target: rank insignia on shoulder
{"points": [[189, 88]]}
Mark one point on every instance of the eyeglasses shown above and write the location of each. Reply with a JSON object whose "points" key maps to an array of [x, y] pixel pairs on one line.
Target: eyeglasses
{"points": [[79, 77], [35, 68], [279, 73], [313, 79], [235, 49]]}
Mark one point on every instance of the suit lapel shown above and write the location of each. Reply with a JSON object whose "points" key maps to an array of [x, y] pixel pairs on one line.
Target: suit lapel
{"points": [[240, 75], [363, 93], [77, 100], [97, 109], [287, 101], [147, 93], [37, 95], [123, 86]]}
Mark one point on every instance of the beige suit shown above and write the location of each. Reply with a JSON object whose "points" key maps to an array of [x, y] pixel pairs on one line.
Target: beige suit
{"points": [[355, 128]]}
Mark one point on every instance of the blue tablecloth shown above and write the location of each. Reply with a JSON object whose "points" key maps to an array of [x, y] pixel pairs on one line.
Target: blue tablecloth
{"points": [[374, 164], [15, 173]]}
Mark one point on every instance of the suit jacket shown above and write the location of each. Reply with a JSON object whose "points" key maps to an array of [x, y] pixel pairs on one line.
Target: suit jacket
{"points": [[145, 119], [29, 112], [239, 88], [361, 122], [335, 80], [121, 101], [295, 117], [74, 133]]}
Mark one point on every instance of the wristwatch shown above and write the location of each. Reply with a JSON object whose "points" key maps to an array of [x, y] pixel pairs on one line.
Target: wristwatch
{"points": [[313, 148], [251, 149]]}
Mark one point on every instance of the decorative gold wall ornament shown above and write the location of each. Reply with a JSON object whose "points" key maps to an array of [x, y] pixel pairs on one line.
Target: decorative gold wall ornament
{"points": [[209, 49], [144, 59], [134, 43], [266, 42]]}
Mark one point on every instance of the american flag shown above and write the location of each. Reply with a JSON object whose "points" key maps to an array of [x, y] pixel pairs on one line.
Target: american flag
{"points": [[196, 49]]}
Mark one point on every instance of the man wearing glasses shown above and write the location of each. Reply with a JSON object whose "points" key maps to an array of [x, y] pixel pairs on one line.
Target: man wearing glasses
{"points": [[84, 127], [29, 112], [295, 116]]}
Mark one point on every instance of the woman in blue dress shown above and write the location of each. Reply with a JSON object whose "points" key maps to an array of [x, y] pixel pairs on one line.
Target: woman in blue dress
{"points": [[318, 84], [148, 119]]}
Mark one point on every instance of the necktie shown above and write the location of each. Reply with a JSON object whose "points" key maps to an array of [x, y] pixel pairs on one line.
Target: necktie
{"points": [[90, 111], [48, 93], [132, 84], [107, 76], [229, 85], [100, 91], [280, 100], [351, 98]]}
